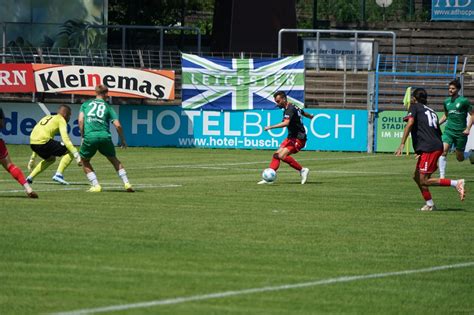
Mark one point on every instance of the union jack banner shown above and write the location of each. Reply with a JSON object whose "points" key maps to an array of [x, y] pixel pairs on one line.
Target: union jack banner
{"points": [[240, 84]]}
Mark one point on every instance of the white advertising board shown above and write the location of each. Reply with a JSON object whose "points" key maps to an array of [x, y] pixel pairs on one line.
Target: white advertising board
{"points": [[334, 53]]}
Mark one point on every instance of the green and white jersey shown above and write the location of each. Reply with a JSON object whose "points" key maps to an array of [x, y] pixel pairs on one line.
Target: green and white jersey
{"points": [[457, 111], [97, 116]]}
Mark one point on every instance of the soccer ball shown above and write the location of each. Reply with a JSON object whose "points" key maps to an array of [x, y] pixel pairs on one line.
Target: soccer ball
{"points": [[269, 175]]}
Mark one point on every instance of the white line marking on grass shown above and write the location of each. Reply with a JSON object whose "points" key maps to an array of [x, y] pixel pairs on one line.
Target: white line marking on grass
{"points": [[248, 163], [224, 294], [207, 167], [316, 171], [357, 172], [108, 188]]}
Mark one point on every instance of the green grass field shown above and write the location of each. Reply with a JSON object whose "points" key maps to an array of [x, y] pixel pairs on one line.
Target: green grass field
{"points": [[198, 224]]}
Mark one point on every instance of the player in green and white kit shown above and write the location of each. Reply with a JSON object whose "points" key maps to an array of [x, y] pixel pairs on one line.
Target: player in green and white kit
{"points": [[94, 119], [458, 126]]}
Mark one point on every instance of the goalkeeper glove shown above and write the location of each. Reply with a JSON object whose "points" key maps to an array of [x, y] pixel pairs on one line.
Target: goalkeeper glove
{"points": [[31, 164], [78, 158]]}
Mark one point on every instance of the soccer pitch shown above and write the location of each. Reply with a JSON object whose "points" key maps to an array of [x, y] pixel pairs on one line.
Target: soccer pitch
{"points": [[201, 237]]}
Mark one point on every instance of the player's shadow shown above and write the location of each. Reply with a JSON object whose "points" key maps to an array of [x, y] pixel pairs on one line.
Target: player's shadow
{"points": [[451, 209], [122, 191], [307, 183], [64, 186], [14, 197], [61, 185]]}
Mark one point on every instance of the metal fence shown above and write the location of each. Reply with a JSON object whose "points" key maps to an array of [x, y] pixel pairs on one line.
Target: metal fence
{"points": [[339, 62], [330, 80], [94, 57], [394, 74], [83, 40], [152, 59]]}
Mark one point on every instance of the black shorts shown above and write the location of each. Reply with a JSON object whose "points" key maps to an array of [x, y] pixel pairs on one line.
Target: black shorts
{"points": [[50, 148]]}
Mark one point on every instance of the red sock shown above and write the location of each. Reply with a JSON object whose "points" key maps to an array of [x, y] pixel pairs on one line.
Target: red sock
{"points": [[17, 174], [292, 162], [444, 182], [275, 163], [426, 195]]}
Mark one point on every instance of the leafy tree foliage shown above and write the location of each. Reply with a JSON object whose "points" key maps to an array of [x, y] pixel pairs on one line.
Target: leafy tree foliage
{"points": [[346, 11], [160, 12]]}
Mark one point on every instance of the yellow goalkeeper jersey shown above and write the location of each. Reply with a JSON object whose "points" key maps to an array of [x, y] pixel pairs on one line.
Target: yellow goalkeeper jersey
{"points": [[48, 127]]}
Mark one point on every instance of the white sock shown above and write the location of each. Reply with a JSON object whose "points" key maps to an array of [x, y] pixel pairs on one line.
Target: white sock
{"points": [[92, 178], [454, 183], [442, 166], [27, 187], [430, 203], [123, 175], [58, 174]]}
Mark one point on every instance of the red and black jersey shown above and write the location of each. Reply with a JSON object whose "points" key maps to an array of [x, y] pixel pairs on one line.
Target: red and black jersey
{"points": [[296, 127], [425, 133]]}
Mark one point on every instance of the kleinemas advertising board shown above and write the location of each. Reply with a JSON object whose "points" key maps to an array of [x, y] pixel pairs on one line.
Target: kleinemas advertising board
{"points": [[159, 126], [122, 82], [16, 78]]}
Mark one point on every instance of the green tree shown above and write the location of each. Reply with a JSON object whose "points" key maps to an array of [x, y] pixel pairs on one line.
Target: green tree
{"points": [[160, 12], [347, 11]]}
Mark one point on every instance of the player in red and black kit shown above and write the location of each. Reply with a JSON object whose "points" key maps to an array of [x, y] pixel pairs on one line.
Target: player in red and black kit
{"points": [[11, 168], [423, 124], [296, 139]]}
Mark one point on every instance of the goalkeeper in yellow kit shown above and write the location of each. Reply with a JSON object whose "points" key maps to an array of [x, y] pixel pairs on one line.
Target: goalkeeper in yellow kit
{"points": [[43, 144]]}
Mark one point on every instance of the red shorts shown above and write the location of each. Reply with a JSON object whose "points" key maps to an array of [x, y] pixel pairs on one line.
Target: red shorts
{"points": [[293, 145], [428, 162], [3, 149]]}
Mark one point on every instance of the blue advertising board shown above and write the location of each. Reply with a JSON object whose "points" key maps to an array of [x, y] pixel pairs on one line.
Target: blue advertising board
{"points": [[159, 126], [20, 119], [452, 10], [334, 130]]}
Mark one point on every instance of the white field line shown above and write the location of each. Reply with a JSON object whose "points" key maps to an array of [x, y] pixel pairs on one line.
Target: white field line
{"points": [[250, 163], [220, 166], [316, 171], [225, 294], [108, 188]]}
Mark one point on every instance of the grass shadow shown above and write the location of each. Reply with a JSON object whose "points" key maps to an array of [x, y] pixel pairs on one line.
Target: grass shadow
{"points": [[60, 185], [122, 190], [15, 197], [452, 209], [307, 183]]}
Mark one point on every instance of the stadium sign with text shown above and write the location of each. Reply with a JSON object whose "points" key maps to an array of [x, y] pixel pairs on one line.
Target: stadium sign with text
{"points": [[159, 126], [452, 10], [339, 53], [154, 84], [390, 127], [338, 130], [16, 78], [20, 118]]}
